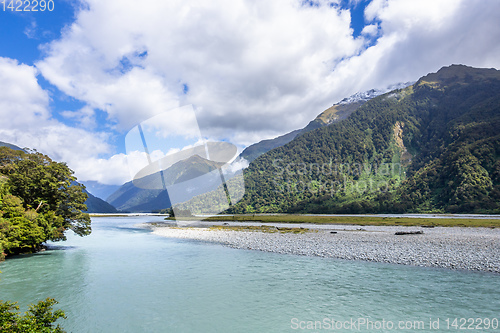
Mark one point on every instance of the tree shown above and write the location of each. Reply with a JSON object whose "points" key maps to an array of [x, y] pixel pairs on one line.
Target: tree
{"points": [[39, 201], [40, 318]]}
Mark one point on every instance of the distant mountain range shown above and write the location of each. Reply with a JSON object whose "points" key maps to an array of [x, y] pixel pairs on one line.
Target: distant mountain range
{"points": [[423, 147], [135, 199], [99, 190], [95, 204]]}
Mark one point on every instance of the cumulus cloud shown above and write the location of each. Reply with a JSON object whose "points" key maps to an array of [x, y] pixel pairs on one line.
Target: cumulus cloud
{"points": [[418, 37], [27, 122], [85, 117], [79, 148], [252, 69], [23, 103], [243, 63], [370, 30], [256, 69]]}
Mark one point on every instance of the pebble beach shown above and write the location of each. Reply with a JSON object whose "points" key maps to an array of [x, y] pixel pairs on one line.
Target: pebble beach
{"points": [[476, 249]]}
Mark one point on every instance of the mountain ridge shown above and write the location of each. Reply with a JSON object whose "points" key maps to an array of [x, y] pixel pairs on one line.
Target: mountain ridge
{"points": [[337, 112], [9, 145], [150, 196], [441, 133], [97, 205], [423, 133], [130, 198]]}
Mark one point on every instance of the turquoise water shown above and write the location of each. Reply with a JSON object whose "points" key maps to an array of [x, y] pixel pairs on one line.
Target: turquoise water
{"points": [[124, 279]]}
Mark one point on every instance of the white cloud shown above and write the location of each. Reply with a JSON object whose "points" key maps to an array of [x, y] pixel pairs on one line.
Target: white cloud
{"points": [[23, 103], [235, 166], [30, 30], [111, 171], [256, 69], [76, 147], [243, 61], [85, 117], [26, 122], [253, 69], [421, 36], [371, 30]]}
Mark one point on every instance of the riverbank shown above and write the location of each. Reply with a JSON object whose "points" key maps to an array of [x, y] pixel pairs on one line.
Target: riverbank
{"points": [[476, 249], [436, 220]]}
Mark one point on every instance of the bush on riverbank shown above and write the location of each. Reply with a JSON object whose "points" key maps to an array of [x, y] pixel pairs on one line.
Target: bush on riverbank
{"points": [[39, 318]]}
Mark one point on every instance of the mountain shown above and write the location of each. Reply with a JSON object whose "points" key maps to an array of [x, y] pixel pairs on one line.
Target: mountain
{"points": [[433, 146], [99, 190], [150, 196], [97, 205], [251, 152], [129, 198], [8, 145], [372, 93], [336, 113]]}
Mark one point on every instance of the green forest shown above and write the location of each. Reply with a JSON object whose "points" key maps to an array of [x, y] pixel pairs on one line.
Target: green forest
{"points": [[431, 147], [39, 201]]}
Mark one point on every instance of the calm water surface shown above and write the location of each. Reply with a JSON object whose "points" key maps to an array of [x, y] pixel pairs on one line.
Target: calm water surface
{"points": [[124, 279]]}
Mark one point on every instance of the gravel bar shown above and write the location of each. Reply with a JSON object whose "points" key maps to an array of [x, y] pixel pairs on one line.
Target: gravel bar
{"points": [[476, 249]]}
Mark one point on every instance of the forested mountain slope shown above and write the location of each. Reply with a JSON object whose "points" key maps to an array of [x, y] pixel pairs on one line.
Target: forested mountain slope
{"points": [[97, 205], [335, 113], [431, 147]]}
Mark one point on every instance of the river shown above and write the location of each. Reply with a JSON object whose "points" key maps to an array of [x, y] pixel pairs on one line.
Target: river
{"points": [[125, 279]]}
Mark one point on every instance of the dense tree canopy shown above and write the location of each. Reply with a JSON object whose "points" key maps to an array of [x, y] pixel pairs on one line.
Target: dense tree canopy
{"points": [[39, 201]]}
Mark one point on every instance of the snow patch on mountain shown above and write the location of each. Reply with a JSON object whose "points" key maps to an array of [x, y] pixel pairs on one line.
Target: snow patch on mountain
{"points": [[367, 95]]}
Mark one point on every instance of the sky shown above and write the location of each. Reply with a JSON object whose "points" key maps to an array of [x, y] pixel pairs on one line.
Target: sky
{"points": [[76, 79]]}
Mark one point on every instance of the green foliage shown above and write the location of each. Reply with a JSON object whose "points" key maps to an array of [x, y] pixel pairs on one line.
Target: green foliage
{"points": [[447, 161], [216, 200], [40, 318], [39, 201], [358, 220]]}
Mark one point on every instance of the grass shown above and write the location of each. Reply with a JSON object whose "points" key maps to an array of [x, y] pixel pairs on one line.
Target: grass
{"points": [[361, 220], [262, 228]]}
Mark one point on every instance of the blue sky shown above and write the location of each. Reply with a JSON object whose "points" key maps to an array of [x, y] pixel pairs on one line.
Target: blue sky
{"points": [[24, 32], [29, 33], [75, 80]]}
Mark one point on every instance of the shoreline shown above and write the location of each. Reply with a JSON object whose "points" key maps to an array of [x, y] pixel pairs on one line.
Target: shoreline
{"points": [[474, 249], [436, 220]]}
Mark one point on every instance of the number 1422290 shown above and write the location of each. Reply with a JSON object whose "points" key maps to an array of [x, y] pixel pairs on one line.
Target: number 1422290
{"points": [[27, 5]]}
